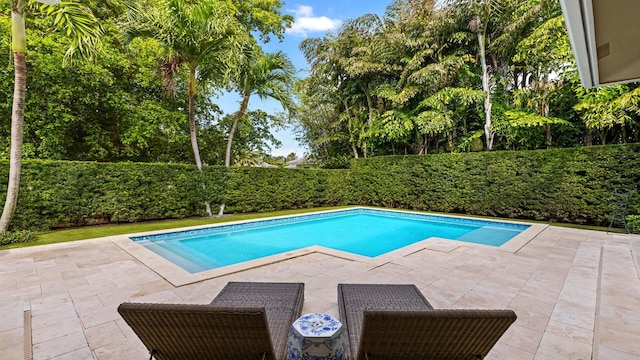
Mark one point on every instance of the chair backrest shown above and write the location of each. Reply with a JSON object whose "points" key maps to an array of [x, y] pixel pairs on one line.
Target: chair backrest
{"points": [[183, 331], [432, 334]]}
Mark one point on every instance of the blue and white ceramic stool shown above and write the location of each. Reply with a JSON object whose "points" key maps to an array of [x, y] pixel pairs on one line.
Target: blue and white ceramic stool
{"points": [[317, 337]]}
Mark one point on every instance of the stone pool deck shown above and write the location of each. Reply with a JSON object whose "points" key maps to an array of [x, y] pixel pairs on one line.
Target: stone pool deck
{"points": [[576, 293]]}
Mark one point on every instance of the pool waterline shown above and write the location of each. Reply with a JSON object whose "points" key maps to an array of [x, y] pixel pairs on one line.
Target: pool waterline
{"points": [[169, 270]]}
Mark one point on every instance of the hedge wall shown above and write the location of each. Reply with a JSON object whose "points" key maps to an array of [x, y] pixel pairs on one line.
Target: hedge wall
{"points": [[269, 189], [64, 193], [563, 185]]}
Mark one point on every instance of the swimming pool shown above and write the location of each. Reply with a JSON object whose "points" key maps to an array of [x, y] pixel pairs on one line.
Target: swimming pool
{"points": [[366, 232]]}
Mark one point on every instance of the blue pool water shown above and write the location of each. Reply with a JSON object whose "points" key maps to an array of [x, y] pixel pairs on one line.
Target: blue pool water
{"points": [[366, 232]]}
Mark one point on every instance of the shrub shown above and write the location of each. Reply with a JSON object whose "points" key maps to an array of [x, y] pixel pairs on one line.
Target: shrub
{"points": [[15, 237], [633, 221], [561, 185]]}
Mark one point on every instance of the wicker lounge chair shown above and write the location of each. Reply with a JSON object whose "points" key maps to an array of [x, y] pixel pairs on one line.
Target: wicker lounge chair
{"points": [[245, 321], [397, 322]]}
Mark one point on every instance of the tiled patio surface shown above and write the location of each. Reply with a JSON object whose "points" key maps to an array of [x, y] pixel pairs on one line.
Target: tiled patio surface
{"points": [[576, 293]]}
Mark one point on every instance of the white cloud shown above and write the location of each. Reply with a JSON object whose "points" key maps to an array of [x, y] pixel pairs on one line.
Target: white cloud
{"points": [[306, 22]]}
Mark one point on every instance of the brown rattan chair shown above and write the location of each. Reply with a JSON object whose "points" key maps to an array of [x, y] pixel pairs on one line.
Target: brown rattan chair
{"points": [[397, 322], [246, 320]]}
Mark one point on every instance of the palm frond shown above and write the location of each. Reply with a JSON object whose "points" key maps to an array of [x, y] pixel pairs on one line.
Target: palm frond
{"points": [[80, 26]]}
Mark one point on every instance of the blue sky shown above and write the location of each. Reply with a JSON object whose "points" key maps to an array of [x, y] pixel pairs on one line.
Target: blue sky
{"points": [[313, 18]]}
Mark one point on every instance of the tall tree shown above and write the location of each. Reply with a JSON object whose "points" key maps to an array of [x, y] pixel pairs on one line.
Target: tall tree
{"points": [[269, 75], [84, 32], [200, 37]]}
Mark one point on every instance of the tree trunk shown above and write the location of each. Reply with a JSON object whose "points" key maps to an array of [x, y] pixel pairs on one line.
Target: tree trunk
{"points": [[544, 108], [227, 156], [192, 129], [352, 141], [355, 150], [370, 117], [485, 86], [243, 108], [19, 47]]}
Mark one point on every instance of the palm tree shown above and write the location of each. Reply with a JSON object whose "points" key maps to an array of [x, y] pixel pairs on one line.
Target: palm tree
{"points": [[269, 75], [84, 32], [249, 158], [199, 36]]}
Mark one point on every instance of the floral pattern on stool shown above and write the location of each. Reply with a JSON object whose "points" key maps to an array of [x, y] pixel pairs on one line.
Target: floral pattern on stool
{"points": [[317, 337]]}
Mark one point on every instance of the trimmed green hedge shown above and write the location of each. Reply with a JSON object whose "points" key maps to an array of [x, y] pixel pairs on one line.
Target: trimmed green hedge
{"points": [[269, 189], [562, 185], [633, 221], [64, 193]]}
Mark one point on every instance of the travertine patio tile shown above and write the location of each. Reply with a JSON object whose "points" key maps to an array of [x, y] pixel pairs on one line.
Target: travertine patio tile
{"points": [[54, 324], [92, 312], [608, 353], [422, 277], [314, 304], [62, 327], [129, 348], [487, 295], [80, 354], [59, 346], [8, 281], [383, 277], [576, 311], [531, 320], [544, 353], [25, 263], [393, 269], [504, 351], [25, 293], [11, 317], [568, 340], [513, 279], [11, 346], [80, 292], [573, 291], [531, 302], [533, 254], [443, 293], [476, 270], [103, 334], [621, 333], [618, 261], [55, 288], [522, 338], [545, 283], [555, 273]]}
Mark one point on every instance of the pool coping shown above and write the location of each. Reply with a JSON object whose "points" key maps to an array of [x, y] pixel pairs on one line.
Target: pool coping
{"points": [[177, 276]]}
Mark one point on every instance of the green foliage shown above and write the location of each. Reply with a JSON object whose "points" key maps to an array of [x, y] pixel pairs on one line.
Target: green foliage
{"points": [[56, 194], [15, 237], [559, 185], [633, 221], [270, 189], [60, 193]]}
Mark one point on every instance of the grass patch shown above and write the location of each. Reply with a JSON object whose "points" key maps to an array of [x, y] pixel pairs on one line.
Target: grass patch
{"points": [[90, 232]]}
